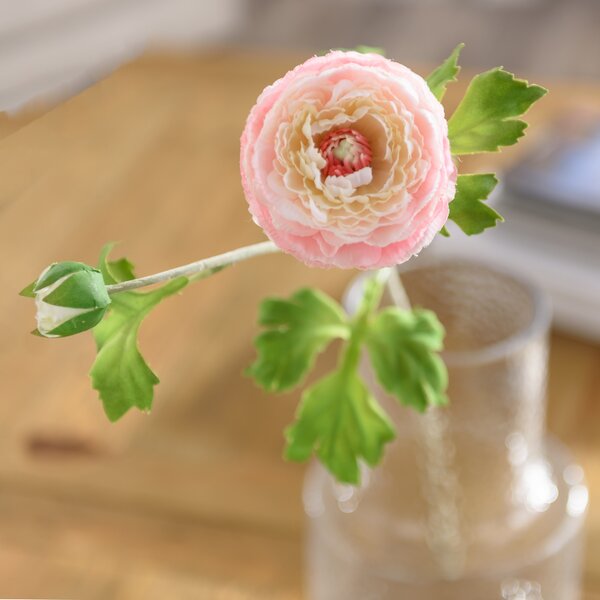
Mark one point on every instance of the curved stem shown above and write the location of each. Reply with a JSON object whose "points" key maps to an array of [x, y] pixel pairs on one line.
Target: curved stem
{"points": [[200, 266]]}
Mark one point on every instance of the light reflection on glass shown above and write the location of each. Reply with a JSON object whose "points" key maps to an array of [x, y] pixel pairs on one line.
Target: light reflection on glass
{"points": [[578, 500], [521, 590], [573, 475], [536, 487]]}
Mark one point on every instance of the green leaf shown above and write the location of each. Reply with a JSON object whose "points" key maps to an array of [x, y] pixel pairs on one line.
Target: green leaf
{"points": [[121, 269], [369, 49], [298, 329], [341, 421], [446, 73], [467, 209], [114, 271], [120, 373], [403, 347], [484, 120]]}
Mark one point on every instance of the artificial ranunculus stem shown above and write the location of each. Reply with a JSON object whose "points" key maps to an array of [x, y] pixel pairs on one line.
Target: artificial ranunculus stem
{"points": [[397, 290], [351, 354], [212, 263]]}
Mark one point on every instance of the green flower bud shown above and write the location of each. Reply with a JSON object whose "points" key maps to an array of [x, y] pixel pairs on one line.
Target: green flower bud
{"points": [[70, 297]]}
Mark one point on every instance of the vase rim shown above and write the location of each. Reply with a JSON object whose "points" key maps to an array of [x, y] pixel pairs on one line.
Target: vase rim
{"points": [[536, 326]]}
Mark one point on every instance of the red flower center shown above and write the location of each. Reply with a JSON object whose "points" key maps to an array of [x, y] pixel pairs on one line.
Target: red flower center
{"points": [[346, 151]]}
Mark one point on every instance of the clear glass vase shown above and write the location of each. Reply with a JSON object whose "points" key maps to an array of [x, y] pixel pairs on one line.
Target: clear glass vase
{"points": [[474, 501]]}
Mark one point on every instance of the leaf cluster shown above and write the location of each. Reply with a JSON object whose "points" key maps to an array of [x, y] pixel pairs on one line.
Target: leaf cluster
{"points": [[338, 418], [485, 120]]}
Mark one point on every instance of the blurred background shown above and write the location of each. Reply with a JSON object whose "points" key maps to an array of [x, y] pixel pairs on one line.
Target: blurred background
{"points": [[120, 121], [61, 45]]}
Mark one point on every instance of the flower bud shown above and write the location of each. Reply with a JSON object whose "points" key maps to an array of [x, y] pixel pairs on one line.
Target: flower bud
{"points": [[70, 297]]}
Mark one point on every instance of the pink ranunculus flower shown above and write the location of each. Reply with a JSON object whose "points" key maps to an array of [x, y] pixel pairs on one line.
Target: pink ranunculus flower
{"points": [[346, 162]]}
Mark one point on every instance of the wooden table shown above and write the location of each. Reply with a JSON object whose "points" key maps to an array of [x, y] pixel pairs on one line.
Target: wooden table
{"points": [[193, 500]]}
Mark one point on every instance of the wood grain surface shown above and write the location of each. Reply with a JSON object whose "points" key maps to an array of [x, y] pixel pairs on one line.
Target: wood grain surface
{"points": [[192, 500]]}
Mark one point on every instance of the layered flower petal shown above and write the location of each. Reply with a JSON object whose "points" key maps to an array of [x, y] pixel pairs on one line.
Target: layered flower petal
{"points": [[346, 162]]}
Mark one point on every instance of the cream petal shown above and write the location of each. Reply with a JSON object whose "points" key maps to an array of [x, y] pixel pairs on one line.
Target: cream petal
{"points": [[339, 186], [363, 176]]}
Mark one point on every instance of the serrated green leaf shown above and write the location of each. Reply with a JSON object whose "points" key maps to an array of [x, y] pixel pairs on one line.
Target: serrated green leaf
{"points": [[298, 329], [446, 73], [467, 209], [342, 423], [485, 119], [403, 347], [120, 374]]}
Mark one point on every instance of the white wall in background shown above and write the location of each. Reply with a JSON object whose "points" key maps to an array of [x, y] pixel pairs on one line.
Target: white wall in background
{"points": [[49, 48]]}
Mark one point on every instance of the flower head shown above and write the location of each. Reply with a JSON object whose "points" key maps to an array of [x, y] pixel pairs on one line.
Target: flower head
{"points": [[70, 297], [346, 162]]}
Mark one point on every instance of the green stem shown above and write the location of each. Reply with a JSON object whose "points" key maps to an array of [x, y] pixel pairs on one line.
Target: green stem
{"points": [[198, 269], [373, 291]]}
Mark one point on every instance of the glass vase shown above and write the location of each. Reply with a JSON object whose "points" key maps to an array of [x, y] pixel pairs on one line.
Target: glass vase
{"points": [[474, 501]]}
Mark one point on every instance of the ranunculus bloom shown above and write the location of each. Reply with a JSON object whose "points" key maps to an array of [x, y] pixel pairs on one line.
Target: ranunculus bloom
{"points": [[346, 162]]}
